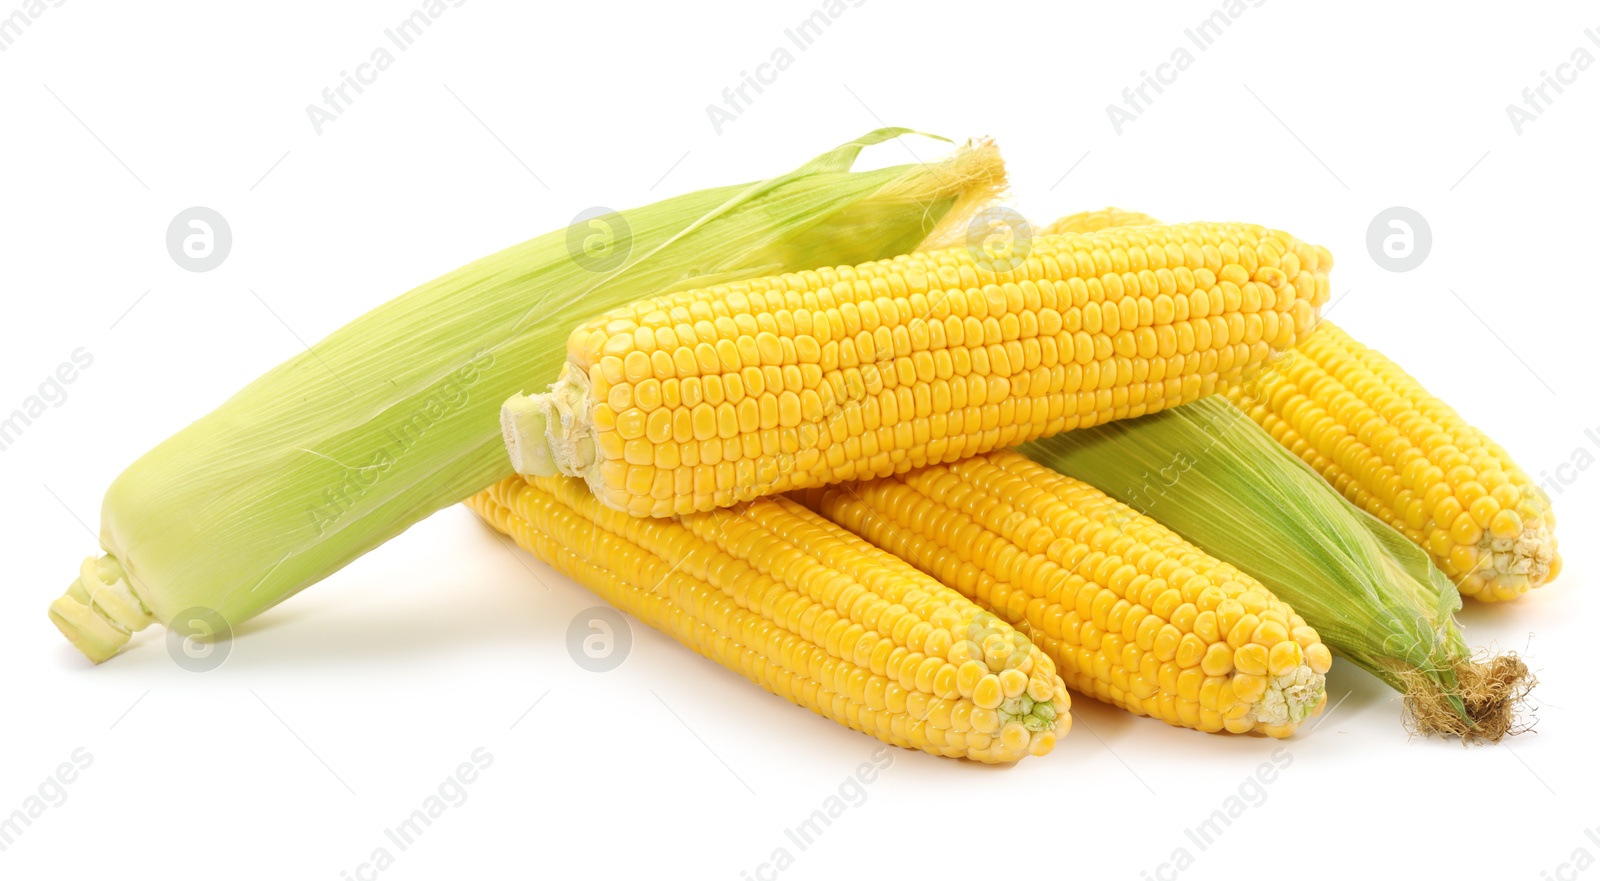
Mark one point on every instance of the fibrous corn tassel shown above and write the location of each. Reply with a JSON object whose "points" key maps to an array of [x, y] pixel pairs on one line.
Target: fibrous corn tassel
{"points": [[1407, 458], [703, 398], [807, 611], [1132, 614]]}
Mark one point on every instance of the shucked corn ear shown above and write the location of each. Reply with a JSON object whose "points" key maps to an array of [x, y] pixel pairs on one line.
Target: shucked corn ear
{"points": [[1132, 614], [807, 611], [1216, 478], [1408, 459], [392, 417], [1397, 452], [706, 397]]}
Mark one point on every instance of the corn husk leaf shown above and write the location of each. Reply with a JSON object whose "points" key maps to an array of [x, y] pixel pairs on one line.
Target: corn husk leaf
{"points": [[396, 415]]}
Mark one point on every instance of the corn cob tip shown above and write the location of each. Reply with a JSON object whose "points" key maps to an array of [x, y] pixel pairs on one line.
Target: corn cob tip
{"points": [[1391, 448], [99, 611], [1508, 567], [1020, 705], [994, 695], [1288, 700]]}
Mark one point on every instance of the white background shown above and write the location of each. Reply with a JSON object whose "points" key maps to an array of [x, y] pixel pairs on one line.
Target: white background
{"points": [[339, 712]]}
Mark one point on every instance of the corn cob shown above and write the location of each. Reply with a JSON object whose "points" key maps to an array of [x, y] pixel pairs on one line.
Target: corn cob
{"points": [[1408, 459], [1095, 221], [704, 398], [1132, 614], [1402, 455], [808, 612]]}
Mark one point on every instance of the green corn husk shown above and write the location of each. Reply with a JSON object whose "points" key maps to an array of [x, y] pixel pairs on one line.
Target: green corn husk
{"points": [[1212, 475], [396, 414]]}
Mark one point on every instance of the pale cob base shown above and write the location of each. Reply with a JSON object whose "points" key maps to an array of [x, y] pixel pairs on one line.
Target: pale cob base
{"points": [[1509, 567], [1132, 614], [99, 611], [783, 597], [557, 427]]}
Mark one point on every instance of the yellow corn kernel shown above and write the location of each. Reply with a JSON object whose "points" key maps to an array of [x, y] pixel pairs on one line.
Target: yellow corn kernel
{"points": [[989, 694], [1014, 683], [1251, 659], [1318, 658], [1285, 656], [1248, 687], [1218, 660], [968, 675], [985, 720], [1014, 737]]}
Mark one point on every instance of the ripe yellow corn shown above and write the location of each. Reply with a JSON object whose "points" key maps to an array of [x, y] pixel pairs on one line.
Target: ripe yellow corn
{"points": [[807, 611], [704, 398], [1391, 448], [1094, 221], [1408, 459], [1132, 614]]}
